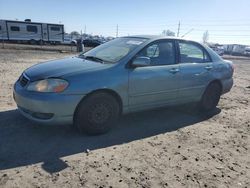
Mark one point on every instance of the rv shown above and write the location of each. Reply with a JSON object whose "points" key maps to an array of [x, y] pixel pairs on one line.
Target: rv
{"points": [[238, 49], [247, 51], [32, 32], [234, 49]]}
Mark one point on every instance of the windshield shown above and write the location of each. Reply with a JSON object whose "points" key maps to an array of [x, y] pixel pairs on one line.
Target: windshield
{"points": [[113, 51]]}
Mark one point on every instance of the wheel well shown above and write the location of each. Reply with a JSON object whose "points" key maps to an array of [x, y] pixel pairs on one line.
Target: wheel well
{"points": [[217, 82], [108, 91]]}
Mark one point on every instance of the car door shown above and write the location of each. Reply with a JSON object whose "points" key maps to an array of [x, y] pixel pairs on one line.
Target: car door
{"points": [[195, 70], [156, 84]]}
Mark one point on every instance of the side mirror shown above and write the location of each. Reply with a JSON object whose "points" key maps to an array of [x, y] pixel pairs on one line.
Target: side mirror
{"points": [[141, 62]]}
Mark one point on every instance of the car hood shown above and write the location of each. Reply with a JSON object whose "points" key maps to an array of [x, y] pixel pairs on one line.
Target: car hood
{"points": [[61, 67]]}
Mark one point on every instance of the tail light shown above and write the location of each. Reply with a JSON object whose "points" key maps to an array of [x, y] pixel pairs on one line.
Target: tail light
{"points": [[232, 67]]}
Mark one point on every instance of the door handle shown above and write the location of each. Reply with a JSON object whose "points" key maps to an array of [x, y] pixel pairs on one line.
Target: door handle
{"points": [[174, 70], [209, 67]]}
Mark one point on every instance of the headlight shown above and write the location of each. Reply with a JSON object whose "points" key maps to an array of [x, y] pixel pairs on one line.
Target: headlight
{"points": [[48, 85]]}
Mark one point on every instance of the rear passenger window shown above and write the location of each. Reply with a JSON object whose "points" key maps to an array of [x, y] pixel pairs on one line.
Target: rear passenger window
{"points": [[15, 28], [32, 28], [192, 53], [160, 53]]}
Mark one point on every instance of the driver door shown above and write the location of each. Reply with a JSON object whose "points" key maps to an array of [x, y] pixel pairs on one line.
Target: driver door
{"points": [[157, 84]]}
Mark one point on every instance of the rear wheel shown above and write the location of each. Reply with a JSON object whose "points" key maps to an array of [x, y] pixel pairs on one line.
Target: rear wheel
{"points": [[96, 114], [210, 97]]}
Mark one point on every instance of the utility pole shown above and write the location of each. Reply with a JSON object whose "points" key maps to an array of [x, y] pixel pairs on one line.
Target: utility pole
{"points": [[178, 32], [117, 30]]}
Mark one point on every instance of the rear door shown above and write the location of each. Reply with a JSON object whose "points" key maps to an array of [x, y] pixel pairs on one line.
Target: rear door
{"points": [[157, 84], [195, 70], [55, 33]]}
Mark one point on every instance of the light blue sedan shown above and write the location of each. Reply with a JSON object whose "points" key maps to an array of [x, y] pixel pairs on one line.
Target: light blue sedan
{"points": [[124, 75]]}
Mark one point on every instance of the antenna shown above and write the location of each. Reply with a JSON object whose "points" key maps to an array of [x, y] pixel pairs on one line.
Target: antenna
{"points": [[187, 33]]}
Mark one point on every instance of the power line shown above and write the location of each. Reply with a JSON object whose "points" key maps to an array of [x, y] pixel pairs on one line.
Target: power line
{"points": [[187, 33], [220, 30], [222, 24]]}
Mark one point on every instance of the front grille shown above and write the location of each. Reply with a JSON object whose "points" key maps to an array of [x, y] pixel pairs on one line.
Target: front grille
{"points": [[23, 80]]}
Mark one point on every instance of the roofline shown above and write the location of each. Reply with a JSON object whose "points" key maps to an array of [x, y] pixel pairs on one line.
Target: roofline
{"points": [[160, 37], [155, 37], [17, 21]]}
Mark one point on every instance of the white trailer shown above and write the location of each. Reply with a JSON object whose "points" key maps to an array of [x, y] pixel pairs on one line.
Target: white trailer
{"points": [[238, 49], [247, 51], [33, 32], [234, 49]]}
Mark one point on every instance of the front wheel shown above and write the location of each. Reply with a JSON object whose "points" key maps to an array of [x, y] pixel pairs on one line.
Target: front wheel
{"points": [[96, 114], [210, 97]]}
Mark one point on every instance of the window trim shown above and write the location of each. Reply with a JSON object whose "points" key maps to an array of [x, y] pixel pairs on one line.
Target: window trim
{"points": [[15, 27], [31, 26], [195, 44], [129, 64], [59, 29]]}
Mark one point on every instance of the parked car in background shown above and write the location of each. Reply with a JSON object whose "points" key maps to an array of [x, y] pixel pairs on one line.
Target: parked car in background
{"points": [[91, 43], [124, 75], [69, 41], [219, 49]]}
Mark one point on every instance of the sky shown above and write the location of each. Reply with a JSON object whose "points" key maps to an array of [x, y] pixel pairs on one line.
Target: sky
{"points": [[227, 21]]}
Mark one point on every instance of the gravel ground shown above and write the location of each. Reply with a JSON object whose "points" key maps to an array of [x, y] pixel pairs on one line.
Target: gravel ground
{"points": [[160, 148]]}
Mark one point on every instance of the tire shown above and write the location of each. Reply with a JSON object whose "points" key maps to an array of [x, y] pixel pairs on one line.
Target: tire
{"points": [[210, 97], [96, 114], [32, 42], [41, 42]]}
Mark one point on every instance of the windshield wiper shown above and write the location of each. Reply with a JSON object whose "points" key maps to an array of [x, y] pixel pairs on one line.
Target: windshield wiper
{"points": [[94, 58]]}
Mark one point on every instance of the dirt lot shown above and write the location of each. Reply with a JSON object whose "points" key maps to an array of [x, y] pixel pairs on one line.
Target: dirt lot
{"points": [[44, 47], [160, 148]]}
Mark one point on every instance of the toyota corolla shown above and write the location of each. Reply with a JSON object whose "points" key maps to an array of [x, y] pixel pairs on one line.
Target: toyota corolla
{"points": [[124, 75]]}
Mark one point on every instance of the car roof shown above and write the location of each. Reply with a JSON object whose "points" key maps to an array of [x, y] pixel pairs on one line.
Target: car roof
{"points": [[213, 55], [153, 37], [158, 37]]}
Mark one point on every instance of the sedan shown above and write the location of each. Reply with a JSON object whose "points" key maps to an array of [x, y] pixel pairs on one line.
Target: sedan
{"points": [[127, 74], [91, 43]]}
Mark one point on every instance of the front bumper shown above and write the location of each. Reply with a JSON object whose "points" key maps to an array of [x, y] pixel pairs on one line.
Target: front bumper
{"points": [[46, 108]]}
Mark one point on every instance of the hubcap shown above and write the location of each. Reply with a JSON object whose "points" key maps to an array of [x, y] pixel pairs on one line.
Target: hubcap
{"points": [[99, 113]]}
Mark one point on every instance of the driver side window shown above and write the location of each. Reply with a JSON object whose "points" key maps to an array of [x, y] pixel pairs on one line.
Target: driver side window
{"points": [[160, 53], [153, 51]]}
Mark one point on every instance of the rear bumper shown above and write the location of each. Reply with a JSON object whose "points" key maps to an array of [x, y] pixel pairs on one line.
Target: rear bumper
{"points": [[227, 85], [46, 108]]}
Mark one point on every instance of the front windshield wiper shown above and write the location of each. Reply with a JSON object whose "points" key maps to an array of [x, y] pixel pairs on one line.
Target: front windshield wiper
{"points": [[93, 58]]}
